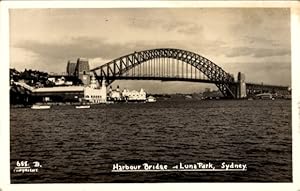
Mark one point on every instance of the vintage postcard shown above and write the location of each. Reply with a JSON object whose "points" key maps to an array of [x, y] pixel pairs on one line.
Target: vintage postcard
{"points": [[170, 93]]}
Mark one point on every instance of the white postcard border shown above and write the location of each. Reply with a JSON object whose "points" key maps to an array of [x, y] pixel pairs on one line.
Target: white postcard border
{"points": [[4, 101]]}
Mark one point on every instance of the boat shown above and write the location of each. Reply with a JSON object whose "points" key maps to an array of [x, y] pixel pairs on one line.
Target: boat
{"points": [[109, 102], [151, 99], [82, 106], [40, 107], [265, 96]]}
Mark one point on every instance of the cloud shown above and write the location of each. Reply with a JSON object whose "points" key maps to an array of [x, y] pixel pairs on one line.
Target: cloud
{"points": [[268, 72], [173, 26], [143, 23], [185, 28], [257, 52], [87, 47], [191, 29], [78, 47], [95, 62], [255, 40], [54, 56]]}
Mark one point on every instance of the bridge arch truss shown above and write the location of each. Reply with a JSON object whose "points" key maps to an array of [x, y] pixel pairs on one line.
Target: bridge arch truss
{"points": [[118, 68]]}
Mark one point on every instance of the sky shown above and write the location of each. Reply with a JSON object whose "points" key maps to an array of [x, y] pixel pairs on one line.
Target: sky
{"points": [[254, 41]]}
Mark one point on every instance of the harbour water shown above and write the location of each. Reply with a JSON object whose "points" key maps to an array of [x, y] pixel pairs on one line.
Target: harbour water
{"points": [[81, 145]]}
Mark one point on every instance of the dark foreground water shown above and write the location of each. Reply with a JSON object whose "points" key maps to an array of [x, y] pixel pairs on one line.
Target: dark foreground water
{"points": [[81, 145]]}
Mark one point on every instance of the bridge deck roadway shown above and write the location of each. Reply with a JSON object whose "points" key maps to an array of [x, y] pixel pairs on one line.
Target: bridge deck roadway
{"points": [[169, 79], [165, 79]]}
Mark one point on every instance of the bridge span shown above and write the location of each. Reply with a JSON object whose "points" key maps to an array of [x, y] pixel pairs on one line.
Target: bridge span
{"points": [[169, 64]]}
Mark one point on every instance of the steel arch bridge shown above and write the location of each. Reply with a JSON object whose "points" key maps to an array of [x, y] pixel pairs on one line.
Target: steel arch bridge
{"points": [[167, 64]]}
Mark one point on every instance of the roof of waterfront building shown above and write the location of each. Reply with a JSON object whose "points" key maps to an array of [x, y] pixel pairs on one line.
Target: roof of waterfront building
{"points": [[60, 89]]}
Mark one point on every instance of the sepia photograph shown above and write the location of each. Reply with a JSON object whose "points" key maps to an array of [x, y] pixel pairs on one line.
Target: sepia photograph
{"points": [[150, 95]]}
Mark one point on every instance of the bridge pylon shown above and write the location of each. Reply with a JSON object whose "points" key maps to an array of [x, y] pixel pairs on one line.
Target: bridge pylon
{"points": [[241, 86]]}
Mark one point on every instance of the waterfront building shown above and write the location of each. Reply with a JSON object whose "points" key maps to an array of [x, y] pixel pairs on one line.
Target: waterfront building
{"points": [[65, 92], [126, 95], [207, 90], [68, 83], [57, 94], [60, 81], [95, 94], [115, 95], [52, 79], [134, 95]]}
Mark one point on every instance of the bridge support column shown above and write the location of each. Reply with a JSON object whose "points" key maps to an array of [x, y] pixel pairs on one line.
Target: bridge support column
{"points": [[241, 90]]}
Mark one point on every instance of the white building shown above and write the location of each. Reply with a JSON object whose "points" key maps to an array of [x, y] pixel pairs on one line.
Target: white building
{"points": [[115, 94], [93, 93], [52, 79], [69, 83], [134, 95], [60, 81]]}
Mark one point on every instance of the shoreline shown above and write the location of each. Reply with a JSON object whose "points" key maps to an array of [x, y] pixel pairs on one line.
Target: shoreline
{"points": [[135, 102]]}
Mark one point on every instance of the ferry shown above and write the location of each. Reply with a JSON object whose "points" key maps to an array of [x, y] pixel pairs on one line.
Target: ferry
{"points": [[151, 99], [40, 107], [82, 106], [267, 96]]}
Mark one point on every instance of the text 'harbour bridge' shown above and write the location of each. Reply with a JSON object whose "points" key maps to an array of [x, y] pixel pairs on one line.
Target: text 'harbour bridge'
{"points": [[169, 64]]}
